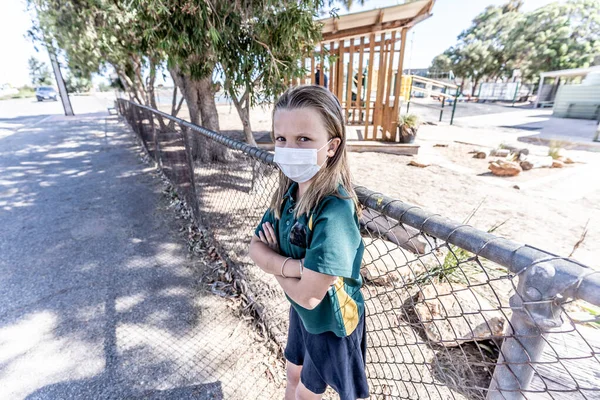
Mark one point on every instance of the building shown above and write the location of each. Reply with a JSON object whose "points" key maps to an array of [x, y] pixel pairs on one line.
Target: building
{"points": [[363, 54]]}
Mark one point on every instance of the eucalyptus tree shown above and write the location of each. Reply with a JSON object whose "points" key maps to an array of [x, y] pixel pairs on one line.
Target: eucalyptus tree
{"points": [[39, 72], [92, 34], [260, 47], [558, 36]]}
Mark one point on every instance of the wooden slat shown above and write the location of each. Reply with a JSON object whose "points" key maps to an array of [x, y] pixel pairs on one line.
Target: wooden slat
{"points": [[355, 32], [360, 78], [322, 82], [353, 103], [312, 69], [372, 146], [332, 74], [316, 55], [369, 80], [387, 133], [390, 70], [377, 113], [340, 71], [396, 110], [332, 66], [578, 366], [357, 47], [349, 82]]}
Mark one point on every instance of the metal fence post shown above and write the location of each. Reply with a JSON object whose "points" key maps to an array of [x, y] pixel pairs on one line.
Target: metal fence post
{"points": [[536, 306], [409, 96], [442, 109], [515, 95], [514, 371], [454, 105]]}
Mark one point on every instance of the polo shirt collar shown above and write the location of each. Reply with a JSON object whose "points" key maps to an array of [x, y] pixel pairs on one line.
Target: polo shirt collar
{"points": [[290, 191]]}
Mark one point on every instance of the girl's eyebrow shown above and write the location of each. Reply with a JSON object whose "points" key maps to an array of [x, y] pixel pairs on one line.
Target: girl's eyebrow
{"points": [[298, 134]]}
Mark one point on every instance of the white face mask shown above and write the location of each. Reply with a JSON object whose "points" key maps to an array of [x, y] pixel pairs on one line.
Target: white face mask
{"points": [[300, 165]]}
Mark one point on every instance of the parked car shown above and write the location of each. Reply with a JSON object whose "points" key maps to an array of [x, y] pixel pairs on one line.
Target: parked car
{"points": [[46, 93]]}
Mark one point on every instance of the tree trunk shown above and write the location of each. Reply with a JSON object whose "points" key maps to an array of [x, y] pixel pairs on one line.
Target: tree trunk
{"points": [[138, 81], [243, 108], [200, 98], [245, 116], [475, 83], [175, 107], [131, 86], [127, 84]]}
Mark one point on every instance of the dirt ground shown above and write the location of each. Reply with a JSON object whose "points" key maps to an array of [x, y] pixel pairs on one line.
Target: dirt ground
{"points": [[533, 205]]}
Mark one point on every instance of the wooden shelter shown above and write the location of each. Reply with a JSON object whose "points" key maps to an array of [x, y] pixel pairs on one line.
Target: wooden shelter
{"points": [[362, 56]]}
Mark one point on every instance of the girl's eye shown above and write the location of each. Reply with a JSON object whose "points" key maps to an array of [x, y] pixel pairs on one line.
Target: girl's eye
{"points": [[303, 139], [280, 139]]}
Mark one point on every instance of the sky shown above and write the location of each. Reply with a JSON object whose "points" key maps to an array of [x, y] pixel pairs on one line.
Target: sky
{"points": [[426, 40]]}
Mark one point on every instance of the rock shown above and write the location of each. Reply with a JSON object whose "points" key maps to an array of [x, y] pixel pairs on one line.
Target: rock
{"points": [[516, 153], [557, 164], [420, 164], [567, 160], [505, 168], [452, 315], [482, 154], [526, 165], [516, 187], [539, 162], [500, 152], [516, 150]]}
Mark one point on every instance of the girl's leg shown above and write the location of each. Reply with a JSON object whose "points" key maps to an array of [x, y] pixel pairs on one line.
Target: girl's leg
{"points": [[293, 378], [302, 393]]}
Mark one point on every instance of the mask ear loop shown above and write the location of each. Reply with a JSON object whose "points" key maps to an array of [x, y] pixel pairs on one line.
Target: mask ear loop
{"points": [[326, 156]]}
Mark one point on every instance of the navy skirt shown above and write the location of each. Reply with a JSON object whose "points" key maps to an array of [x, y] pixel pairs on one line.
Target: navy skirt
{"points": [[327, 359]]}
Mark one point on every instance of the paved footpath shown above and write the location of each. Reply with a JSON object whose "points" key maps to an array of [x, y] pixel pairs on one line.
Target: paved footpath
{"points": [[98, 297]]}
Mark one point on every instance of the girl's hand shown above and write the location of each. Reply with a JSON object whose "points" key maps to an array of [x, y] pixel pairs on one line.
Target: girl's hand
{"points": [[268, 237]]}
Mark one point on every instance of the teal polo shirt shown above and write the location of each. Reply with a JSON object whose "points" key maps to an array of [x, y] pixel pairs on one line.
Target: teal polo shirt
{"points": [[329, 241]]}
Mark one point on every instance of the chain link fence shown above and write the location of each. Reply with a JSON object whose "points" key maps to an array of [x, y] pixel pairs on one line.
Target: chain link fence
{"points": [[452, 312]]}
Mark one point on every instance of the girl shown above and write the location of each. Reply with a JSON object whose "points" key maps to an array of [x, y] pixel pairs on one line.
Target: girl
{"points": [[309, 239]]}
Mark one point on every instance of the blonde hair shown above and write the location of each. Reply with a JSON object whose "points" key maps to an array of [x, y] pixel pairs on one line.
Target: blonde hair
{"points": [[336, 170]]}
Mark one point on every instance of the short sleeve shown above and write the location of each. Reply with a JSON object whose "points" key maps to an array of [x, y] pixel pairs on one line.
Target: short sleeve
{"points": [[336, 242], [267, 217]]}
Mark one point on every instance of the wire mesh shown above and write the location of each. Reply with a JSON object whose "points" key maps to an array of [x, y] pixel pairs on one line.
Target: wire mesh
{"points": [[452, 312], [217, 353]]}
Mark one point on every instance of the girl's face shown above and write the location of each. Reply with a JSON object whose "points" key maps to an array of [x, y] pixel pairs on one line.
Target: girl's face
{"points": [[303, 128]]}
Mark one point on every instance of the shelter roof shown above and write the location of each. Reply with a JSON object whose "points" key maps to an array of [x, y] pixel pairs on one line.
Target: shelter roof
{"points": [[377, 20]]}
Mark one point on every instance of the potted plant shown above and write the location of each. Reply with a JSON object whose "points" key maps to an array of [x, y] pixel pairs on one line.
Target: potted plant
{"points": [[408, 125]]}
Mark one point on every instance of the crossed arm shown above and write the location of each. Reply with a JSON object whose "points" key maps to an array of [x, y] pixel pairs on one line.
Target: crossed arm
{"points": [[307, 290]]}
